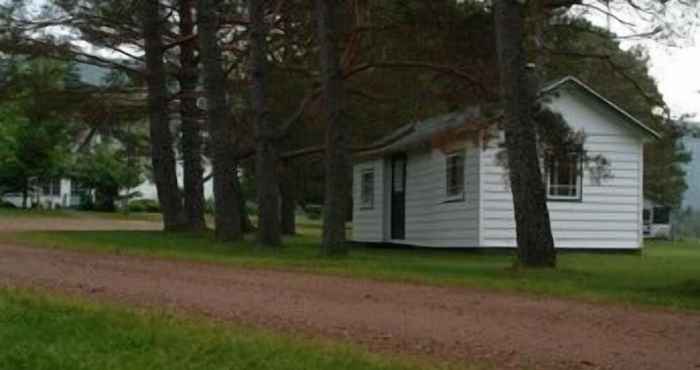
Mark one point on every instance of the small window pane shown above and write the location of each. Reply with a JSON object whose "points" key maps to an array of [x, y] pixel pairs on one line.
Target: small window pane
{"points": [[398, 176], [455, 175], [56, 187], [564, 177], [367, 189]]}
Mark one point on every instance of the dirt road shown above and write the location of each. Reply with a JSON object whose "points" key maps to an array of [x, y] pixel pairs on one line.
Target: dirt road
{"points": [[449, 323], [509, 331]]}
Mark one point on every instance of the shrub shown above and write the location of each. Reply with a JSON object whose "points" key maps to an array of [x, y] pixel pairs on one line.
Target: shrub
{"points": [[313, 212], [143, 205], [5, 204]]}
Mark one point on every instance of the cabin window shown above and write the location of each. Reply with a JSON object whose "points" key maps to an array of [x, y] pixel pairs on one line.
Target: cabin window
{"points": [[455, 176], [662, 215], [367, 189], [564, 177]]}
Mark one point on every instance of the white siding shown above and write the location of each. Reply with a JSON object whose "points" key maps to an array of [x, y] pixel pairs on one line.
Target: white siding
{"points": [[608, 216], [368, 223], [431, 220], [49, 201]]}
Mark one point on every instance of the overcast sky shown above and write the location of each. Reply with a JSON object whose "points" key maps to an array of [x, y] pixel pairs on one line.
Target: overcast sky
{"points": [[677, 71], [675, 68]]}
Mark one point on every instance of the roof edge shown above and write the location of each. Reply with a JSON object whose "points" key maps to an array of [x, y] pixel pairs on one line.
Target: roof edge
{"points": [[571, 79]]}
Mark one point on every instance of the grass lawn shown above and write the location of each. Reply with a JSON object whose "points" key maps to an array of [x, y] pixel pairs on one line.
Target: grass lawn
{"points": [[665, 274], [74, 214], [38, 332]]}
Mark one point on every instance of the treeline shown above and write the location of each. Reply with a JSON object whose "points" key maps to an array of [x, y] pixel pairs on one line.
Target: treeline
{"points": [[282, 91]]}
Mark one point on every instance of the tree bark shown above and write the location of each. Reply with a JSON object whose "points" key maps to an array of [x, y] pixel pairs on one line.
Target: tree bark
{"points": [[226, 197], [191, 133], [162, 155], [266, 154], [338, 164], [25, 193], [533, 229], [246, 224], [288, 208]]}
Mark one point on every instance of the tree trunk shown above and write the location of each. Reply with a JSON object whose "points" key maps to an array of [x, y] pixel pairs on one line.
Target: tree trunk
{"points": [[162, 155], [266, 155], [288, 208], [338, 160], [25, 193], [533, 229], [246, 224], [105, 199], [191, 133], [226, 206]]}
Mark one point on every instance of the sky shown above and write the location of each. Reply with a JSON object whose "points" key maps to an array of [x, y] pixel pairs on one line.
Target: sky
{"points": [[677, 72], [676, 69]]}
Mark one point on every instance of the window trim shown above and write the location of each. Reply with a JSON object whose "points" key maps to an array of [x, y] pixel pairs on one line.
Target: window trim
{"points": [[367, 205], [457, 197], [579, 182]]}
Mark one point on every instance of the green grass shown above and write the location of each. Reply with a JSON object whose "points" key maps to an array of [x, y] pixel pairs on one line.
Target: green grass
{"points": [[38, 332], [75, 214], [665, 274]]}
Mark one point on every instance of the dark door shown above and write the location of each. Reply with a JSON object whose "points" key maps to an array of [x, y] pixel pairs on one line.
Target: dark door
{"points": [[398, 197]]}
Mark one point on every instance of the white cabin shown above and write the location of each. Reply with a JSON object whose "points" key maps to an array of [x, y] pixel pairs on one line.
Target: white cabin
{"points": [[409, 190], [56, 193]]}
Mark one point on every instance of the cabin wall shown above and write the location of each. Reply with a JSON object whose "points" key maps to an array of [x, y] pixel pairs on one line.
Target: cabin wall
{"points": [[368, 223], [431, 219], [609, 213]]}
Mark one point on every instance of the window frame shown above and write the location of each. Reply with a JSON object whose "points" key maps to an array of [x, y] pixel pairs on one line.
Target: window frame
{"points": [[364, 202], [456, 196], [578, 197]]}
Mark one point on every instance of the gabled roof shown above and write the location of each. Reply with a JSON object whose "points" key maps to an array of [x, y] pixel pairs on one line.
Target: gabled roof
{"points": [[416, 133], [571, 80]]}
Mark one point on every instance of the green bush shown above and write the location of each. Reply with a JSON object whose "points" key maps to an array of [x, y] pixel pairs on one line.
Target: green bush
{"points": [[5, 204], [143, 205], [313, 212]]}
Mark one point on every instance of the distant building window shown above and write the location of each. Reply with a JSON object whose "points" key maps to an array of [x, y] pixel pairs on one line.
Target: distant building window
{"points": [[77, 189], [454, 169], [662, 215], [367, 189], [563, 177], [51, 187]]}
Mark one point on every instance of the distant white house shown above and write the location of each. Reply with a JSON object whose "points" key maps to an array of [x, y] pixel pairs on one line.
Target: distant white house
{"points": [[56, 193], [65, 193], [657, 220], [411, 190], [147, 189]]}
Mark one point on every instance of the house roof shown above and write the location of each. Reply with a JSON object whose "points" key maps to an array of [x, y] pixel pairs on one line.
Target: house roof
{"points": [[571, 80], [418, 133], [92, 74], [421, 132]]}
